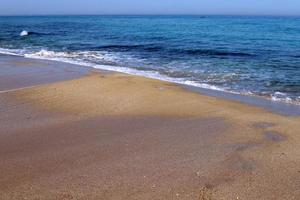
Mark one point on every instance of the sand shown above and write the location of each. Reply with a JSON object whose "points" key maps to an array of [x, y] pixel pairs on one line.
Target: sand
{"points": [[117, 136]]}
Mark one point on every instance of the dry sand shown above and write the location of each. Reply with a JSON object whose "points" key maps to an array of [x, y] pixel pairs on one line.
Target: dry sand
{"points": [[117, 136]]}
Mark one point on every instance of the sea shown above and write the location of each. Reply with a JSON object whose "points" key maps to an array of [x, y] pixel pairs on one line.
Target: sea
{"points": [[248, 55]]}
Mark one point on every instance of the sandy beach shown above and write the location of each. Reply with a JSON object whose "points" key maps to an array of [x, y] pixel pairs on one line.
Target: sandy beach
{"points": [[73, 133]]}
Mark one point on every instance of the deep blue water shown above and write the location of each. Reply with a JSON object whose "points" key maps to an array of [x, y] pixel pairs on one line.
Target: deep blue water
{"points": [[250, 55]]}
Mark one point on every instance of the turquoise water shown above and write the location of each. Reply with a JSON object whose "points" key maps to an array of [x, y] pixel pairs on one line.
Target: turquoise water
{"points": [[249, 55]]}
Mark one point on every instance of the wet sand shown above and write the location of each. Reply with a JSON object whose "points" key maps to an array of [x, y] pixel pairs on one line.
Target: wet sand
{"points": [[117, 136], [18, 72]]}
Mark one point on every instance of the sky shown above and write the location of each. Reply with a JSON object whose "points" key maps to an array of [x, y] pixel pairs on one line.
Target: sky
{"points": [[136, 7]]}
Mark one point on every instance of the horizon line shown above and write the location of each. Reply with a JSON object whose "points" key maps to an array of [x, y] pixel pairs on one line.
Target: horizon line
{"points": [[202, 15]]}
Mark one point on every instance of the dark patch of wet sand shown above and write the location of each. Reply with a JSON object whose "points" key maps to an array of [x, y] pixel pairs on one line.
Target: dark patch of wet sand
{"points": [[263, 125], [18, 72], [274, 136]]}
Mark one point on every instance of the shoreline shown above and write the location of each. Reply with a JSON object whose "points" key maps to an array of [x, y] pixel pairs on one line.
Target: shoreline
{"points": [[283, 108], [118, 136], [19, 72]]}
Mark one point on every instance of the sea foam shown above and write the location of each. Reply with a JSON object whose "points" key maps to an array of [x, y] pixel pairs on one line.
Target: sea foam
{"points": [[92, 59], [24, 33]]}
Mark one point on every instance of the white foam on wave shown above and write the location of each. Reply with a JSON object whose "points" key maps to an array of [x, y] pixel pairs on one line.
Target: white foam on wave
{"points": [[72, 58], [24, 33], [45, 54], [281, 97], [83, 58], [10, 52]]}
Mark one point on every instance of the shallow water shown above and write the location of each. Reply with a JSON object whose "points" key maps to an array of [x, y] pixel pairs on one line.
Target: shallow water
{"points": [[248, 55]]}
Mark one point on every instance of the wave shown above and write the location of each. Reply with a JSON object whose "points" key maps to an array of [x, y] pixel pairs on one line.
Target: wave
{"points": [[281, 97], [13, 52], [211, 52], [156, 47], [85, 58], [72, 58], [25, 33], [119, 46], [49, 54], [145, 47]]}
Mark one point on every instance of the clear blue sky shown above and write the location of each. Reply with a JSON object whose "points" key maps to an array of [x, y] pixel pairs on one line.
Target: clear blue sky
{"points": [[228, 7]]}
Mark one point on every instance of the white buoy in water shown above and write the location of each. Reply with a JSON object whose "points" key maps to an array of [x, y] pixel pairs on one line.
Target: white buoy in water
{"points": [[24, 33]]}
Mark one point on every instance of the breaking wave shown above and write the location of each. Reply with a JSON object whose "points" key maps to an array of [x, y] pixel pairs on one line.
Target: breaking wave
{"points": [[108, 61]]}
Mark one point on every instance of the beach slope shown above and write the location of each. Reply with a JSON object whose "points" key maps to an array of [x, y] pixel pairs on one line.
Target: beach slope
{"points": [[118, 136]]}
